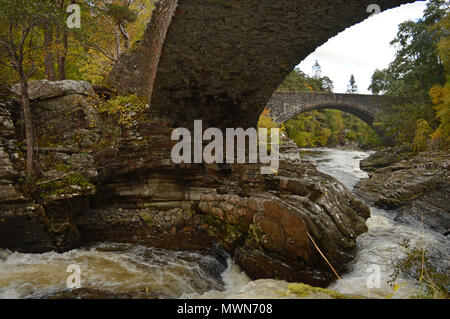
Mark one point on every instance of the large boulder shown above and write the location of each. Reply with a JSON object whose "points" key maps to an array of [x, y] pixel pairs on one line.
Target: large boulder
{"points": [[65, 121], [384, 158], [44, 89]]}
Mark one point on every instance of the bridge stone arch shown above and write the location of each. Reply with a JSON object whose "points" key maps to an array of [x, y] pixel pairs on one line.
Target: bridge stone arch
{"points": [[221, 60], [286, 105]]}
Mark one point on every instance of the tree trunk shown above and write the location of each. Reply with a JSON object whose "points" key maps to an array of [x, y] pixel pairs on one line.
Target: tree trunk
{"points": [[29, 129], [118, 51], [62, 53], [62, 57], [125, 35], [48, 61]]}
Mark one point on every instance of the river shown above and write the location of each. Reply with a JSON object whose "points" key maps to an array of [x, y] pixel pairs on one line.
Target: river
{"points": [[133, 271]]}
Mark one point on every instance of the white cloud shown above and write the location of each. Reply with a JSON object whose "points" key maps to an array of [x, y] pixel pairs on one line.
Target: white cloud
{"points": [[362, 48]]}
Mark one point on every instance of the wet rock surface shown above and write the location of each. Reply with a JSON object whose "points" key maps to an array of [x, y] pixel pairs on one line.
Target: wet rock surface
{"points": [[415, 187]]}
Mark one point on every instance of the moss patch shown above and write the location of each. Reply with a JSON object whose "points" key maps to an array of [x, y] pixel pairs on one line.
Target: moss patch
{"points": [[229, 235], [147, 218], [68, 185], [303, 290]]}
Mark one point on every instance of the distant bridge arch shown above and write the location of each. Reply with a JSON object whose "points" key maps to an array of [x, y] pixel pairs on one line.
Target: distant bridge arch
{"points": [[286, 105]]}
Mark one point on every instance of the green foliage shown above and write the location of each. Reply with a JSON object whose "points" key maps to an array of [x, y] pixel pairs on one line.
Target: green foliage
{"points": [[92, 49], [400, 122], [330, 128], [265, 121], [295, 81], [324, 127], [71, 183], [417, 65], [122, 109], [441, 100], [24, 13], [120, 13], [417, 265], [21, 37], [419, 73], [304, 290], [109, 28]]}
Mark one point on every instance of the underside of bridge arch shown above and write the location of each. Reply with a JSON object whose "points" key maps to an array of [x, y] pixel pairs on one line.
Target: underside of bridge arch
{"points": [[220, 61], [356, 110]]}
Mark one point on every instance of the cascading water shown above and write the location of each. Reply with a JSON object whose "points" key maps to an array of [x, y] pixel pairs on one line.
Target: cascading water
{"points": [[132, 271], [380, 247]]}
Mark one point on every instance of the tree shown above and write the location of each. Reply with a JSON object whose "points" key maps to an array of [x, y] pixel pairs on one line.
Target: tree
{"points": [[109, 27], [317, 70], [106, 24], [352, 88], [50, 73], [55, 44], [422, 136], [441, 101], [420, 64], [123, 14], [417, 65], [20, 40], [379, 83], [295, 81]]}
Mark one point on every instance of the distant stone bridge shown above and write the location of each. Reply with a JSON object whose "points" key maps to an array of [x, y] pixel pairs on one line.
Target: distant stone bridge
{"points": [[285, 105]]}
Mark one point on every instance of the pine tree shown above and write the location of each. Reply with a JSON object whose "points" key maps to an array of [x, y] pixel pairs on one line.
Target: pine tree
{"points": [[352, 88], [317, 70]]}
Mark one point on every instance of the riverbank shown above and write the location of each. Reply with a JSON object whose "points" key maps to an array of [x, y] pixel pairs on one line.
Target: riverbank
{"points": [[413, 187], [381, 250]]}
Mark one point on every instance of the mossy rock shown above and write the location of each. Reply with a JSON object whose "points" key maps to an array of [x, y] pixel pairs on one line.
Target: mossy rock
{"points": [[147, 218], [305, 291], [227, 234]]}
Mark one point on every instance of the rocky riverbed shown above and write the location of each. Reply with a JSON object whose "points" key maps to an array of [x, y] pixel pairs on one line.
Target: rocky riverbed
{"points": [[128, 190], [129, 211]]}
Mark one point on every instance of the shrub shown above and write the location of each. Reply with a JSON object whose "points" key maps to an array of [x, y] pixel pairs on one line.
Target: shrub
{"points": [[417, 265]]}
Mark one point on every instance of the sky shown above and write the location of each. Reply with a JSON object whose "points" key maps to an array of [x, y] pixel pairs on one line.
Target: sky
{"points": [[362, 48]]}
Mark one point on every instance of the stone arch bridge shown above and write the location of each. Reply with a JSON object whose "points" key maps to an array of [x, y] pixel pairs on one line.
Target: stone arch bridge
{"points": [[285, 105], [221, 60]]}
